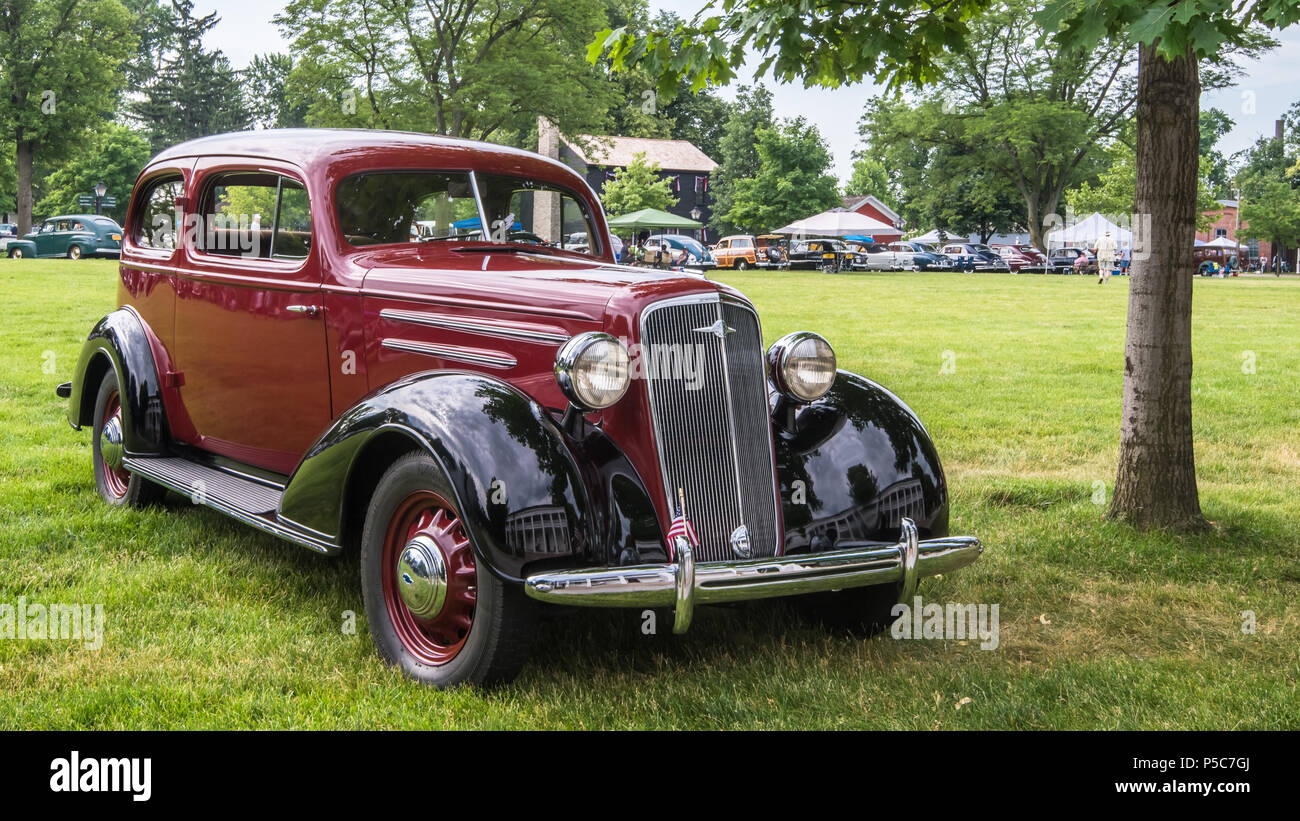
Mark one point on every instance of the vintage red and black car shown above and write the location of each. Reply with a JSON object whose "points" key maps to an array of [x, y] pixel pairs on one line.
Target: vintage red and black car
{"points": [[490, 420]]}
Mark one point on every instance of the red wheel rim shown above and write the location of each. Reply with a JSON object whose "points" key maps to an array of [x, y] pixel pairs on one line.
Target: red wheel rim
{"points": [[436, 640], [116, 480]]}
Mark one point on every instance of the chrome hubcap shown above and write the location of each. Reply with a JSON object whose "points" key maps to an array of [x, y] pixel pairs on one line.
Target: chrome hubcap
{"points": [[110, 442], [422, 577]]}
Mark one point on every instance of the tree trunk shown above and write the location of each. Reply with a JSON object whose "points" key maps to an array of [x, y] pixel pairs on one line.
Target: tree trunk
{"points": [[1156, 482], [26, 151]]}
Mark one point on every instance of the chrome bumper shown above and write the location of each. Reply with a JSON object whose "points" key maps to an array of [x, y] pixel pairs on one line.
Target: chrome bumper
{"points": [[684, 584]]}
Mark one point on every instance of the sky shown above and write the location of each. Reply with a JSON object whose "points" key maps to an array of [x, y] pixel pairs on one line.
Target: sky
{"points": [[1261, 96]]}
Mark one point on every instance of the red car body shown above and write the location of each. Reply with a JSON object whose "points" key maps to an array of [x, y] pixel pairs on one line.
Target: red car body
{"points": [[297, 388]]}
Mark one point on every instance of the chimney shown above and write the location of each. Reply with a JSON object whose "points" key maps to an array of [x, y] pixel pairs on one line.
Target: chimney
{"points": [[1279, 129], [546, 204], [548, 138]]}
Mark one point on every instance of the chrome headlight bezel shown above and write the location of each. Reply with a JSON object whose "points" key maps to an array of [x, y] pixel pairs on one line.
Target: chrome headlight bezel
{"points": [[569, 362], [780, 357]]}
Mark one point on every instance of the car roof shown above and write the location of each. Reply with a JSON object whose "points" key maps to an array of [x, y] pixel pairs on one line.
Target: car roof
{"points": [[322, 147]]}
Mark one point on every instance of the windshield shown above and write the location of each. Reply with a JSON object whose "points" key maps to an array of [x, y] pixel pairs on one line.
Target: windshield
{"points": [[387, 207]]}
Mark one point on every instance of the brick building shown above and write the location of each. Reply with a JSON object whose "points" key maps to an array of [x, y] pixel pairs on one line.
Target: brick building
{"points": [[1226, 223], [597, 157]]}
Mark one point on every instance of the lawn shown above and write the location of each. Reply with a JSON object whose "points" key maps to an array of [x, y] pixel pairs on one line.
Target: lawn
{"points": [[211, 625]]}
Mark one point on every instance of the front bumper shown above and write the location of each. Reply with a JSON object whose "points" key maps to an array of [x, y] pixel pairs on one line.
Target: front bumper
{"points": [[684, 584]]}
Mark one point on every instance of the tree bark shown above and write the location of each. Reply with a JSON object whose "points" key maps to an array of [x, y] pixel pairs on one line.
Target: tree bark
{"points": [[1156, 481], [26, 152]]}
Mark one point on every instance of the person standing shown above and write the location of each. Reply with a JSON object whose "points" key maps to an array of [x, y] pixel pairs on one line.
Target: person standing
{"points": [[1105, 257], [1126, 259]]}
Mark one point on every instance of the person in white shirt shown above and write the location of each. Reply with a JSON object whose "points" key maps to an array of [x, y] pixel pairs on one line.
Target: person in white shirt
{"points": [[1106, 249]]}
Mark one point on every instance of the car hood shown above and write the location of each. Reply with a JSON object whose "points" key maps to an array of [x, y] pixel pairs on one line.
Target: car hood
{"points": [[556, 285]]}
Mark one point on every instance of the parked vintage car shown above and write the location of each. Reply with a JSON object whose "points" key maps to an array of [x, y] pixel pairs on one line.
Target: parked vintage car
{"points": [[975, 256], [681, 251], [821, 254], [743, 251], [487, 425], [1062, 260], [924, 257], [73, 236], [897, 256], [1022, 258]]}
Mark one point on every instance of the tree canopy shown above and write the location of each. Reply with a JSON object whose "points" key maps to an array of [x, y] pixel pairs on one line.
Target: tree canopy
{"points": [[635, 187], [792, 179]]}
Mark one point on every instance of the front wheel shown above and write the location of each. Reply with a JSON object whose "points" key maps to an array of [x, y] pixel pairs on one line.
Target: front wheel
{"points": [[742, 265], [116, 484], [435, 612], [16, 253]]}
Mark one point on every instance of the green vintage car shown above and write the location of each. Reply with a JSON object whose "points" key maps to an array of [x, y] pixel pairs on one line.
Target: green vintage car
{"points": [[73, 236]]}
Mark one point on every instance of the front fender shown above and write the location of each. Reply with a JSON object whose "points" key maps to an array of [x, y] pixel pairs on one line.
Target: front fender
{"points": [[119, 341], [28, 247], [855, 463], [518, 484]]}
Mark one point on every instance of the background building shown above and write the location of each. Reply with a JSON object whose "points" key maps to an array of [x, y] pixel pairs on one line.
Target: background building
{"points": [[599, 157]]}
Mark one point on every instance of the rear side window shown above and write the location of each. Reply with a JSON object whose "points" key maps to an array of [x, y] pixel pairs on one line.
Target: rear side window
{"points": [[255, 215], [156, 226]]}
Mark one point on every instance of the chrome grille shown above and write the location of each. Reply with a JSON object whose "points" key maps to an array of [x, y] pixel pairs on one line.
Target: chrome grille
{"points": [[713, 432]]}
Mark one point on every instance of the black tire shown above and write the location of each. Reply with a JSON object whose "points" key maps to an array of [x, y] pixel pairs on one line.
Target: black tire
{"points": [[16, 253], [742, 264], [495, 646], [859, 611], [117, 487], [74, 252]]}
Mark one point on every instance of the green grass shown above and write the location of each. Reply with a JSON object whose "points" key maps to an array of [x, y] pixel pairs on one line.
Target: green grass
{"points": [[211, 625]]}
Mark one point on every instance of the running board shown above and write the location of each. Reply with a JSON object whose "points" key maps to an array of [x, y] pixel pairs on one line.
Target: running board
{"points": [[245, 500]]}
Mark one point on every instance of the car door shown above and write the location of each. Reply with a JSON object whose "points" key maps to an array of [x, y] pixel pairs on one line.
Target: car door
{"points": [[44, 239], [250, 334]]}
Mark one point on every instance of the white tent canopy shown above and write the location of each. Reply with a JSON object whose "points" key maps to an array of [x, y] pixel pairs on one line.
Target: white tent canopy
{"points": [[839, 223], [1088, 231], [1223, 242]]}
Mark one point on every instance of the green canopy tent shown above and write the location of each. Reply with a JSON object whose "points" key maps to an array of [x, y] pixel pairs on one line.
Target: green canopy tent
{"points": [[651, 218]]}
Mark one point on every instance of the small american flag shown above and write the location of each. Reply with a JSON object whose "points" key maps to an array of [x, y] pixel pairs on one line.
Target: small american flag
{"points": [[681, 526]]}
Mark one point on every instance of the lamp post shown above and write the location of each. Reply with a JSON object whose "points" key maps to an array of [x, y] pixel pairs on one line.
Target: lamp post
{"points": [[100, 190], [696, 213]]}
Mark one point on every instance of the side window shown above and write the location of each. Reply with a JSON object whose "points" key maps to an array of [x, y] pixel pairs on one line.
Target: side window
{"points": [[292, 239], [255, 215], [155, 227]]}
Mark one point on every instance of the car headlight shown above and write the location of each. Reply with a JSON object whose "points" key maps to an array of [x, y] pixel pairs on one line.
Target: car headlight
{"points": [[593, 370], [802, 366]]}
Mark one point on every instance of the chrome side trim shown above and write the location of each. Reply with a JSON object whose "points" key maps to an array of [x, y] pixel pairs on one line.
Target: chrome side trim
{"points": [[492, 359], [262, 523], [487, 329], [684, 584]]}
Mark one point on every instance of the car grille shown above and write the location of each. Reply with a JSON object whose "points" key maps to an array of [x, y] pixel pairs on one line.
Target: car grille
{"points": [[711, 420]]}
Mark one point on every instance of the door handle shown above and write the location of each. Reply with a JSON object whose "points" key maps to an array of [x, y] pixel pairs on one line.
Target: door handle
{"points": [[306, 310]]}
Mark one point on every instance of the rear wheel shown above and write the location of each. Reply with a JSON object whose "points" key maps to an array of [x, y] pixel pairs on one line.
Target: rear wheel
{"points": [[860, 611], [742, 264], [435, 612], [74, 252], [115, 483]]}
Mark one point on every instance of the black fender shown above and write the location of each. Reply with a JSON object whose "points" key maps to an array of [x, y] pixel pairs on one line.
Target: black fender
{"points": [[529, 494], [852, 464], [120, 341]]}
